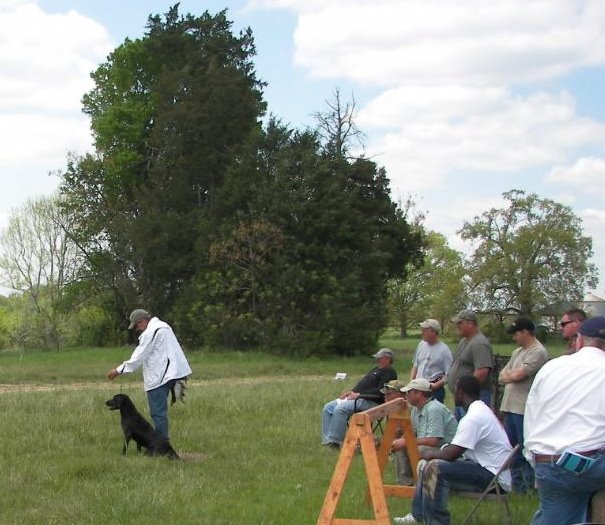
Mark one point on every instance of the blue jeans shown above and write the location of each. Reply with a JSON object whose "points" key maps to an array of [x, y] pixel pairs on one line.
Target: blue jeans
{"points": [[158, 408], [335, 416], [436, 479], [521, 471], [564, 495], [484, 395], [439, 394]]}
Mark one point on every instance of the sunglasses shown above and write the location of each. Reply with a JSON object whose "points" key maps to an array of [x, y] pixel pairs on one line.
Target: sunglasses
{"points": [[565, 323]]}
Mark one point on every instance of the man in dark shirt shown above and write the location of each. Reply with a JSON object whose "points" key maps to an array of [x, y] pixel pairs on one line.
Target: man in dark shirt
{"points": [[365, 394]]}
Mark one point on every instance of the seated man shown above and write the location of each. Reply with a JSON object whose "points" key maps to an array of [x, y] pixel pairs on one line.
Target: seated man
{"points": [[482, 443], [433, 423], [364, 395], [392, 390]]}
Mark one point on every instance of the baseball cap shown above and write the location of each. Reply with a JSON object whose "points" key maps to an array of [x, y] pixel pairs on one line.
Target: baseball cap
{"points": [[394, 384], [384, 352], [593, 327], [465, 315], [522, 323], [433, 324], [420, 383], [136, 316]]}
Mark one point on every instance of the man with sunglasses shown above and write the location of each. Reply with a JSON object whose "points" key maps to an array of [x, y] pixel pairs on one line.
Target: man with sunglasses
{"points": [[570, 323]]}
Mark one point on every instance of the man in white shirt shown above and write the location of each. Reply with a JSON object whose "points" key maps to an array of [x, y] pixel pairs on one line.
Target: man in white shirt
{"points": [[564, 429], [163, 362], [432, 358], [469, 463]]}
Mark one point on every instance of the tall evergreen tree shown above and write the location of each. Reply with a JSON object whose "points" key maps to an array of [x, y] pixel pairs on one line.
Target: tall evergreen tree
{"points": [[307, 244], [168, 112]]}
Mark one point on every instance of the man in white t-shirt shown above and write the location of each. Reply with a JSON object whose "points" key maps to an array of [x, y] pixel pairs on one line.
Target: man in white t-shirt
{"points": [[480, 445], [432, 358]]}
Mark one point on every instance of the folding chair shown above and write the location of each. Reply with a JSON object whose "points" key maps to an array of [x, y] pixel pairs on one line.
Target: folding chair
{"points": [[376, 425], [493, 491]]}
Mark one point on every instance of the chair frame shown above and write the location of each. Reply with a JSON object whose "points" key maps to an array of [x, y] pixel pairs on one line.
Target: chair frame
{"points": [[492, 486], [376, 424]]}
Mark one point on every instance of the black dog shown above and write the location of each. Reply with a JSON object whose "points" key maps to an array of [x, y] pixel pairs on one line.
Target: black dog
{"points": [[136, 427]]}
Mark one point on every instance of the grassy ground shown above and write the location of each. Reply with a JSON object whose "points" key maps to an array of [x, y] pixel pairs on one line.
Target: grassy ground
{"points": [[250, 421]]}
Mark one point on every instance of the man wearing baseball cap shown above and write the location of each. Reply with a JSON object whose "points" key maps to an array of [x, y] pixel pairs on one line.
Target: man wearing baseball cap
{"points": [[433, 424], [364, 395], [474, 357], [432, 358], [480, 441], [163, 362], [565, 429], [518, 375]]}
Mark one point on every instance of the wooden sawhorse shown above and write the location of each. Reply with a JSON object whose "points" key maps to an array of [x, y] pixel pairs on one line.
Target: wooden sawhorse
{"points": [[375, 461]]}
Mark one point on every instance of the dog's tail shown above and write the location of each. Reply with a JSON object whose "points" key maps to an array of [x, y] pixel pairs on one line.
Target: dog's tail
{"points": [[164, 448], [177, 390]]}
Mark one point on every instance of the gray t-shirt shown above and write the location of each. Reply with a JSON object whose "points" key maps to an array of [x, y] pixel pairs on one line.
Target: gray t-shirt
{"points": [[432, 361], [472, 353]]}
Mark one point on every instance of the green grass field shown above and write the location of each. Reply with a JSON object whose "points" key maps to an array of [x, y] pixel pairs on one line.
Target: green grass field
{"points": [[249, 429]]}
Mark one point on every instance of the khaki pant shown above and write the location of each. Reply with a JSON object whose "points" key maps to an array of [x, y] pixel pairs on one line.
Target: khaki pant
{"points": [[403, 469]]}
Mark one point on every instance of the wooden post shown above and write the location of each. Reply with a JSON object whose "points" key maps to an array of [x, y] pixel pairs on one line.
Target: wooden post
{"points": [[360, 432]]}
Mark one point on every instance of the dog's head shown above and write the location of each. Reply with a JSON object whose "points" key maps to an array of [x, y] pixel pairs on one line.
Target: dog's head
{"points": [[117, 401]]}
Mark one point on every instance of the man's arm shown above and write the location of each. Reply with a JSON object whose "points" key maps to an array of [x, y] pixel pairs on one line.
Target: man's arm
{"points": [[413, 373], [436, 385], [448, 453], [399, 444], [512, 376], [481, 374]]}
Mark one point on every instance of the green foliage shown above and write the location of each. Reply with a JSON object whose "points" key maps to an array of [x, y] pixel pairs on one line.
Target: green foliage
{"points": [[528, 255], [240, 236], [38, 262], [169, 112], [305, 246], [435, 289]]}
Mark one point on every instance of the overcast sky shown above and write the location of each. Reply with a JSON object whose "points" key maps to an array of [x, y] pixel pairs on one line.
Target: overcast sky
{"points": [[460, 101]]}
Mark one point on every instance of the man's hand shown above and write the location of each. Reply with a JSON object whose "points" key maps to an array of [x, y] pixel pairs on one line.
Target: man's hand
{"points": [[112, 374], [398, 444]]}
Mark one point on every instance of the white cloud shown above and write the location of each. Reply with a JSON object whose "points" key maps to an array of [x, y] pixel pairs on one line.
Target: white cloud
{"points": [[465, 131], [45, 65], [448, 69], [424, 42], [587, 173], [594, 226], [45, 59]]}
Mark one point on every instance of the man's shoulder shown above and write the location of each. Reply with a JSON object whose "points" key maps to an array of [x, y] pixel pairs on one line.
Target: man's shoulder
{"points": [[436, 406], [377, 371], [442, 346], [479, 410], [479, 340]]}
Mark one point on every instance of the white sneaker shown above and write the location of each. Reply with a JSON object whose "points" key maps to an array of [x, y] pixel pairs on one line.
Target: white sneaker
{"points": [[408, 518]]}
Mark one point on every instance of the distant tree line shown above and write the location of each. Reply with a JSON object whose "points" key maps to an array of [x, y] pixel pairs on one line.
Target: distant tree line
{"points": [[246, 233]]}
